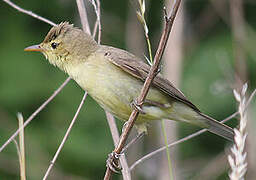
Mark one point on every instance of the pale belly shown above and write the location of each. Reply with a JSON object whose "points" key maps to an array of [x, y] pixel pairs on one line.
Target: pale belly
{"points": [[115, 90]]}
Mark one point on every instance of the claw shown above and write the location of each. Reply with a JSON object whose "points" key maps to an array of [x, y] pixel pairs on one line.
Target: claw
{"points": [[165, 14], [137, 106], [112, 162], [159, 70]]}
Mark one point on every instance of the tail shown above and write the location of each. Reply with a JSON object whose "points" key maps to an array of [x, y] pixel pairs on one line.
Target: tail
{"points": [[218, 128]]}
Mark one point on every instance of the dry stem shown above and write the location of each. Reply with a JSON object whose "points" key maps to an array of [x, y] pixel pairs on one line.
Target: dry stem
{"points": [[65, 137], [21, 148]]}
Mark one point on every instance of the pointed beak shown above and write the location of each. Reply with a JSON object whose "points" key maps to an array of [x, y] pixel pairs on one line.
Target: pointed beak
{"points": [[34, 48]]}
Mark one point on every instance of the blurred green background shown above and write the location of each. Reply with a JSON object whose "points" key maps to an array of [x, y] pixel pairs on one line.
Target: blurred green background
{"points": [[27, 80]]}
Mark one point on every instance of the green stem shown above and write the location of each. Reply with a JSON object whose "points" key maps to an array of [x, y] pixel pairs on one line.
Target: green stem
{"points": [[151, 60], [167, 150], [149, 49]]}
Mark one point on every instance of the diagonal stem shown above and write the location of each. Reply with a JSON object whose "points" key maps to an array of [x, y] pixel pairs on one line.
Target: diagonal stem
{"points": [[65, 137], [152, 73]]}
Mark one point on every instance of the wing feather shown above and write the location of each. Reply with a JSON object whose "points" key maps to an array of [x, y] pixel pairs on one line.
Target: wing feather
{"points": [[137, 68]]}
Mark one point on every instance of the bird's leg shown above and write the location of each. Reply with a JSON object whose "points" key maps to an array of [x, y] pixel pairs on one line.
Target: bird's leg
{"points": [[133, 141], [113, 158], [155, 103], [137, 106], [112, 162]]}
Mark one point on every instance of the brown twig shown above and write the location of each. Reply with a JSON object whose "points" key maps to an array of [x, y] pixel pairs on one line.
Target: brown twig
{"points": [[189, 136], [152, 73], [30, 13], [35, 113], [65, 137]]}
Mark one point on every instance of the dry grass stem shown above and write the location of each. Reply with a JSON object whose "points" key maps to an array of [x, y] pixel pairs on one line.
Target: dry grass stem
{"points": [[65, 137], [141, 18], [21, 149], [237, 160]]}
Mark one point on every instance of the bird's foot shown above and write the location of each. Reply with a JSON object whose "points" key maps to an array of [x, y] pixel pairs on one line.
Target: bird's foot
{"points": [[112, 162], [137, 106]]}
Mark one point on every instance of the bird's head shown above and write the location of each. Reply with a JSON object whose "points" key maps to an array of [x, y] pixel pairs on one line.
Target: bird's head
{"points": [[65, 44]]}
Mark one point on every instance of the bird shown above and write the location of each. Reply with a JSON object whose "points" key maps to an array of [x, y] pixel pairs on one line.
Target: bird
{"points": [[114, 77]]}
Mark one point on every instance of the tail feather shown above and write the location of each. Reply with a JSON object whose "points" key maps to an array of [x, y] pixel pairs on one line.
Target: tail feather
{"points": [[218, 128]]}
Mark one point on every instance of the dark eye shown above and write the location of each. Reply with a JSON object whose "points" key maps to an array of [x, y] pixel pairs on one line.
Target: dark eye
{"points": [[54, 45]]}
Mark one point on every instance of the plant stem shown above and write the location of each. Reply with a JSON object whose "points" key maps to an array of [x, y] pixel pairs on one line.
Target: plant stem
{"points": [[167, 150], [149, 49]]}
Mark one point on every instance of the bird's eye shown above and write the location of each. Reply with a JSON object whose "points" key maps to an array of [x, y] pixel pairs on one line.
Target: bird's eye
{"points": [[54, 45]]}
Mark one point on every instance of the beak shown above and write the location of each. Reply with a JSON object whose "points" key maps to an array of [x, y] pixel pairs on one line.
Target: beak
{"points": [[34, 48]]}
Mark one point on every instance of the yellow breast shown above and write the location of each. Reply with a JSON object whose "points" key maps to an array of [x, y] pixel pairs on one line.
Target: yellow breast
{"points": [[113, 88]]}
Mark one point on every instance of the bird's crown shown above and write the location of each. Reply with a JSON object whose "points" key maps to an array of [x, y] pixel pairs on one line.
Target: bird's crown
{"points": [[55, 31]]}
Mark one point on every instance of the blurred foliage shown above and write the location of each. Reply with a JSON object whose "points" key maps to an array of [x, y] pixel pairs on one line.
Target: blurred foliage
{"points": [[27, 80]]}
